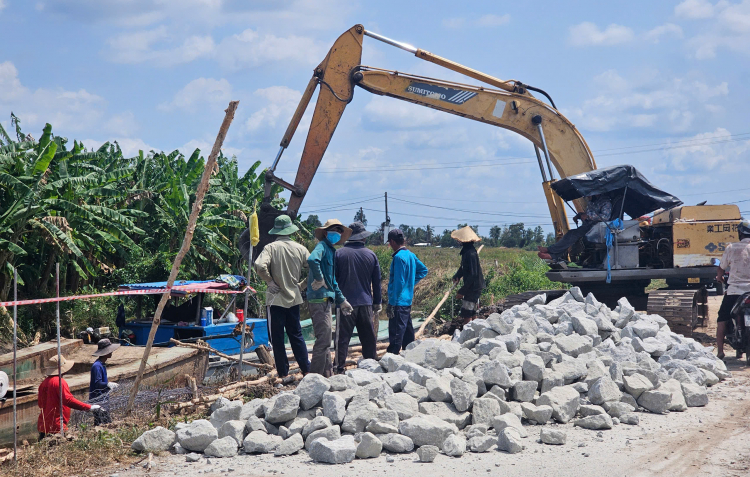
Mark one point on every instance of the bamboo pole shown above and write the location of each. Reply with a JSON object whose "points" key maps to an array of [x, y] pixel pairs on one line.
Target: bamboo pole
{"points": [[59, 353], [197, 206], [206, 347], [434, 312], [15, 358]]}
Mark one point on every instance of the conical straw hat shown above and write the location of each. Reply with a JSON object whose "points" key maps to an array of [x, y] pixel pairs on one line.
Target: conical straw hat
{"points": [[465, 234]]}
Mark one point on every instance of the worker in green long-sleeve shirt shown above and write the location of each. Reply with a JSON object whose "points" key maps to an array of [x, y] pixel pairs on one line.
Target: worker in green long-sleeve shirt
{"points": [[322, 290]]}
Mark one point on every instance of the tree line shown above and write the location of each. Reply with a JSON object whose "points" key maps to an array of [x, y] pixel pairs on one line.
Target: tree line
{"points": [[511, 236]]}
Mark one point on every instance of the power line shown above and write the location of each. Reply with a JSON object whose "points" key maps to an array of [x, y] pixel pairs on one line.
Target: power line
{"points": [[668, 143], [342, 205], [488, 163], [470, 200], [718, 192], [369, 197], [503, 214]]}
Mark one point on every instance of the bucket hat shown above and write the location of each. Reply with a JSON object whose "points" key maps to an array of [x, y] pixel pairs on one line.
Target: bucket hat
{"points": [[465, 234], [283, 225], [104, 347], [50, 366], [359, 232], [320, 232]]}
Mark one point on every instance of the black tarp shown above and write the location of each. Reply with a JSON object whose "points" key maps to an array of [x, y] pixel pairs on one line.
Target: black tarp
{"points": [[641, 197]]}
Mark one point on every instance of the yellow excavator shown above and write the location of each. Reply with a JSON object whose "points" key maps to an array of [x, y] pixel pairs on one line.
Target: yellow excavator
{"points": [[681, 244]]}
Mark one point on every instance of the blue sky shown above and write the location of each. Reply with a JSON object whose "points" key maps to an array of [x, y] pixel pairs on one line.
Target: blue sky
{"points": [[664, 86]]}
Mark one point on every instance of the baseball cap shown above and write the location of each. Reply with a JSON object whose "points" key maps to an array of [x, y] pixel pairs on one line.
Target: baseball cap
{"points": [[396, 234]]}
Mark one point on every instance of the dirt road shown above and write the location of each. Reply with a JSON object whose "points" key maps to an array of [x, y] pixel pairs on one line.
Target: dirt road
{"points": [[709, 441]]}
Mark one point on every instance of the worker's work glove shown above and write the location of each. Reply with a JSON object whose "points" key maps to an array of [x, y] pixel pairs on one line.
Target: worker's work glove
{"points": [[113, 386], [376, 308], [346, 308], [318, 284], [95, 407], [273, 288]]}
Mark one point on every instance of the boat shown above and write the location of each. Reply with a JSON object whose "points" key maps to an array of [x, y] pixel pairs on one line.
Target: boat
{"points": [[166, 366]]}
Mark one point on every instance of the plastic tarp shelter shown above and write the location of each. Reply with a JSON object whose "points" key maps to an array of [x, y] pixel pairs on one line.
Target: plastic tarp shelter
{"points": [[639, 196]]}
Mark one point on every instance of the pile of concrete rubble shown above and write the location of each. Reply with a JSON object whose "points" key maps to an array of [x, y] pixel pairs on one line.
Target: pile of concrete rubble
{"points": [[573, 359]]}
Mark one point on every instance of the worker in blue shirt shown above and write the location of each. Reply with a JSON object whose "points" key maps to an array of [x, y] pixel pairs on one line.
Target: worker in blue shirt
{"points": [[99, 386], [406, 271]]}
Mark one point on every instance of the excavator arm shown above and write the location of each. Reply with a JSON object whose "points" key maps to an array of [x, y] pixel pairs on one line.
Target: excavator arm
{"points": [[508, 105]]}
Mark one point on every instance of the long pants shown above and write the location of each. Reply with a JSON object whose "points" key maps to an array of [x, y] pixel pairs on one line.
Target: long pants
{"points": [[321, 356], [400, 329], [558, 249], [361, 318], [287, 319]]}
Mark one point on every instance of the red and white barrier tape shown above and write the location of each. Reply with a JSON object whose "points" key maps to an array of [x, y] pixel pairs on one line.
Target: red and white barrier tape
{"points": [[153, 291]]}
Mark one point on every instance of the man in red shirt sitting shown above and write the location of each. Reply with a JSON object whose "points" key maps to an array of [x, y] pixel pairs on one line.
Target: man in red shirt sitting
{"points": [[49, 398]]}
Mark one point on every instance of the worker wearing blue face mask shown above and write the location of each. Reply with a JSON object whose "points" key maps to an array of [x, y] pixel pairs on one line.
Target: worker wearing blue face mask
{"points": [[323, 290]]}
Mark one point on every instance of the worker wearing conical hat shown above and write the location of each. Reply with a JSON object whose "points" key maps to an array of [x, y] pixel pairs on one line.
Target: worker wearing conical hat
{"points": [[471, 273]]}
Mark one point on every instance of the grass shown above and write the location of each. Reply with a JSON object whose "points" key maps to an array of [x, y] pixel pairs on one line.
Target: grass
{"points": [[506, 271], [89, 452]]}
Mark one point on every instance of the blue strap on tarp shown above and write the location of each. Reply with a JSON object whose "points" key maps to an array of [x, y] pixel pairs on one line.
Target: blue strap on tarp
{"points": [[610, 237]]}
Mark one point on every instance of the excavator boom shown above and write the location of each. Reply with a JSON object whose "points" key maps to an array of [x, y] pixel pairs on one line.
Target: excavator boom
{"points": [[511, 106]]}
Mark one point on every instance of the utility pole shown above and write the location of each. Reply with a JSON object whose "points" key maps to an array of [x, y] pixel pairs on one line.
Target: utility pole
{"points": [[387, 223]]}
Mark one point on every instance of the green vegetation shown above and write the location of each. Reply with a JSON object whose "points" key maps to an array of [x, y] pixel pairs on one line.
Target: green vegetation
{"points": [[506, 271], [108, 219]]}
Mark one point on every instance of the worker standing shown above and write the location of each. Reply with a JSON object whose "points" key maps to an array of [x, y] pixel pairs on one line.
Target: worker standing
{"points": [[736, 260], [358, 275], [49, 398], [322, 290], [406, 271], [99, 385], [470, 271], [280, 265]]}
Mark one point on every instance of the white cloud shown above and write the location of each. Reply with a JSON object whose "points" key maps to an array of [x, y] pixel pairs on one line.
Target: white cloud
{"points": [[121, 125], [280, 105], [714, 151], [488, 20], [199, 92], [383, 113], [66, 110], [139, 47], [694, 9], [250, 49], [442, 138], [69, 112], [491, 20], [129, 146], [653, 101], [668, 29], [726, 26], [456, 22], [206, 147], [2, 5], [588, 34]]}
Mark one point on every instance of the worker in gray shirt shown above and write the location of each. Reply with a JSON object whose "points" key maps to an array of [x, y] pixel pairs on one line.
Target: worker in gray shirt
{"points": [[358, 276]]}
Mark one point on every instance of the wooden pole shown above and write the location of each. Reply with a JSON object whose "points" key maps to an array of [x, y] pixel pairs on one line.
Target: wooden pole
{"points": [[434, 312], [15, 357], [197, 206], [59, 353], [247, 298]]}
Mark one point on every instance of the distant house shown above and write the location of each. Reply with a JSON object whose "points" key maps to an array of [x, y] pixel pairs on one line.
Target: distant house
{"points": [[423, 244]]}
